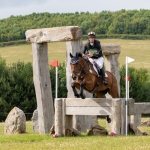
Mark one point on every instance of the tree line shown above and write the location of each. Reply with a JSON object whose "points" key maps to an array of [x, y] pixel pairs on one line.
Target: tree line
{"points": [[133, 22], [17, 87]]}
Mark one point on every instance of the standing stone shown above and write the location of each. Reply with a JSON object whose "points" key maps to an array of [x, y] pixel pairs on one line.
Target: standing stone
{"points": [[111, 52], [15, 122], [42, 85], [35, 121]]}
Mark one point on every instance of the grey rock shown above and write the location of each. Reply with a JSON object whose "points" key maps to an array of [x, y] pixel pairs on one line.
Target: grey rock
{"points": [[97, 130], [35, 121], [15, 122]]}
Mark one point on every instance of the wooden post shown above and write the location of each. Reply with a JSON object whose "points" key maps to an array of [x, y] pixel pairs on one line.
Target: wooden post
{"points": [[116, 116], [123, 117], [58, 117], [42, 85]]}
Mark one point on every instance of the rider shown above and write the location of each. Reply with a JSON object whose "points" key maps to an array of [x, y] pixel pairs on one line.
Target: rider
{"points": [[93, 49]]}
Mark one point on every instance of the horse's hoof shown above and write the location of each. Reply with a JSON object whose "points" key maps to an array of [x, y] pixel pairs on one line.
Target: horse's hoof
{"points": [[83, 96], [108, 120], [77, 96]]}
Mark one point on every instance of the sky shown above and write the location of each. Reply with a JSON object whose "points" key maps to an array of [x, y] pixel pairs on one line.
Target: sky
{"points": [[25, 7]]}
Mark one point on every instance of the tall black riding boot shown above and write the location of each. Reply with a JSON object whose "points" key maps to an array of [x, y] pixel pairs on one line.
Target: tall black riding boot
{"points": [[103, 76]]}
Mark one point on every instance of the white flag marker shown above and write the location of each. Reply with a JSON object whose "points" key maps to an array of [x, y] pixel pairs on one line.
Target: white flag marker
{"points": [[129, 60]]}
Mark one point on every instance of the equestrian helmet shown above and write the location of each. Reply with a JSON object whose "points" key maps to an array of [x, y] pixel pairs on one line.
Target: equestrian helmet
{"points": [[91, 34]]}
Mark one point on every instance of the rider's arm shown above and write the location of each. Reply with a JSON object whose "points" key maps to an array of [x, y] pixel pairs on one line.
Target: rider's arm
{"points": [[85, 49], [99, 51]]}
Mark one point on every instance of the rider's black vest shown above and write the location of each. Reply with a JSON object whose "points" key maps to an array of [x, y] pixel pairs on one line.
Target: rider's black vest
{"points": [[94, 49]]}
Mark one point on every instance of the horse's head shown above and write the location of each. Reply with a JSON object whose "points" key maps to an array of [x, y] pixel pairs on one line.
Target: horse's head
{"points": [[76, 65]]}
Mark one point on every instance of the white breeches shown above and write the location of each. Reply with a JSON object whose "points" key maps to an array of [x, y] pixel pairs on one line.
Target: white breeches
{"points": [[99, 61]]}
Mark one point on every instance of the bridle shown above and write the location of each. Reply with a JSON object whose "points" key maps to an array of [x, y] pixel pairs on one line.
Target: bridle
{"points": [[80, 73]]}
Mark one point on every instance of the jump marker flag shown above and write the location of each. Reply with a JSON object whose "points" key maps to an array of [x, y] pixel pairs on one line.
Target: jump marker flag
{"points": [[127, 78], [55, 64]]}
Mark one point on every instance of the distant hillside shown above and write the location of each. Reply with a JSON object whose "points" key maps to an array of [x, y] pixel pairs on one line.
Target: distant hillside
{"points": [[120, 22]]}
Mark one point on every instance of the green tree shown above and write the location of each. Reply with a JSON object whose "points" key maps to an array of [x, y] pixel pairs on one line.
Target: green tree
{"points": [[139, 85]]}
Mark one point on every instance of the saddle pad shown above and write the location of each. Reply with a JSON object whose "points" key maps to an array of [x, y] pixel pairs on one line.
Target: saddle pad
{"points": [[97, 71]]}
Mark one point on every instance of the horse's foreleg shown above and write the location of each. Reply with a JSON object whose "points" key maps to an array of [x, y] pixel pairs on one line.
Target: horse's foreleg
{"points": [[82, 95], [73, 85]]}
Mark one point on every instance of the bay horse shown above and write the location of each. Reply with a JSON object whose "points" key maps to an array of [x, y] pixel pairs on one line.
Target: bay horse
{"points": [[87, 78]]}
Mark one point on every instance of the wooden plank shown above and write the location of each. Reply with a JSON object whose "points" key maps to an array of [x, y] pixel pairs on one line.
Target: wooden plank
{"points": [[89, 102], [88, 111], [142, 108]]}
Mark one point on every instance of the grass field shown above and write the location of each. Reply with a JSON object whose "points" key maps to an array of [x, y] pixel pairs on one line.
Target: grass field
{"points": [[34, 141], [137, 49]]}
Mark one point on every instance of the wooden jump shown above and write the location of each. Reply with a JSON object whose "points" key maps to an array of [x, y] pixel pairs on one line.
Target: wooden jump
{"points": [[65, 108]]}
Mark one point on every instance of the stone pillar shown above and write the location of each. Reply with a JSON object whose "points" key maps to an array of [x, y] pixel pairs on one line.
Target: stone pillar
{"points": [[111, 53], [42, 85]]}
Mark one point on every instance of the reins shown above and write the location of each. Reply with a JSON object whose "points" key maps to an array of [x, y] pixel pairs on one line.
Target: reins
{"points": [[81, 69]]}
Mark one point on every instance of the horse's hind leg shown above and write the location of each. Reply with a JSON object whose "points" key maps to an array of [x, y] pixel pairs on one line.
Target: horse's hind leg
{"points": [[114, 91]]}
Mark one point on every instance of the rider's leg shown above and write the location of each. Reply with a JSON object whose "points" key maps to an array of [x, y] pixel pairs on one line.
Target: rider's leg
{"points": [[101, 71], [103, 76]]}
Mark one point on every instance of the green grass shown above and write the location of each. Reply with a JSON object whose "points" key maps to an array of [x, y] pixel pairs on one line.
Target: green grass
{"points": [[137, 49], [35, 141]]}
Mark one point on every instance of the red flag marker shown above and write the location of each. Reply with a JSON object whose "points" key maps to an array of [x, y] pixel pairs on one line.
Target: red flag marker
{"points": [[54, 63]]}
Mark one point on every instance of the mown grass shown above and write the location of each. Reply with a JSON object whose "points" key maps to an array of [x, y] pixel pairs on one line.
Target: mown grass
{"points": [[34, 141], [137, 49]]}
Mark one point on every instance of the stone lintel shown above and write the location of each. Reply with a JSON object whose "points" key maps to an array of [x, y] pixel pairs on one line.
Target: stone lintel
{"points": [[66, 33], [108, 49]]}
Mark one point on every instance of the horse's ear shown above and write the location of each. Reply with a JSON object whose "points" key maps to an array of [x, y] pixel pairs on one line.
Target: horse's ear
{"points": [[71, 55]]}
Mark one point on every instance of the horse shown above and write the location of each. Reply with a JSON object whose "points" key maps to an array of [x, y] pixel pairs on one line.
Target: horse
{"points": [[87, 78]]}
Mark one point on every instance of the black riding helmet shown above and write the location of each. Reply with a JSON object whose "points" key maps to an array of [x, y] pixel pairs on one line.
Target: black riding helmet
{"points": [[91, 34]]}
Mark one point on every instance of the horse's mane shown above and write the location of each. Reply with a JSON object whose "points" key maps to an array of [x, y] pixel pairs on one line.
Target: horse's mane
{"points": [[79, 54]]}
